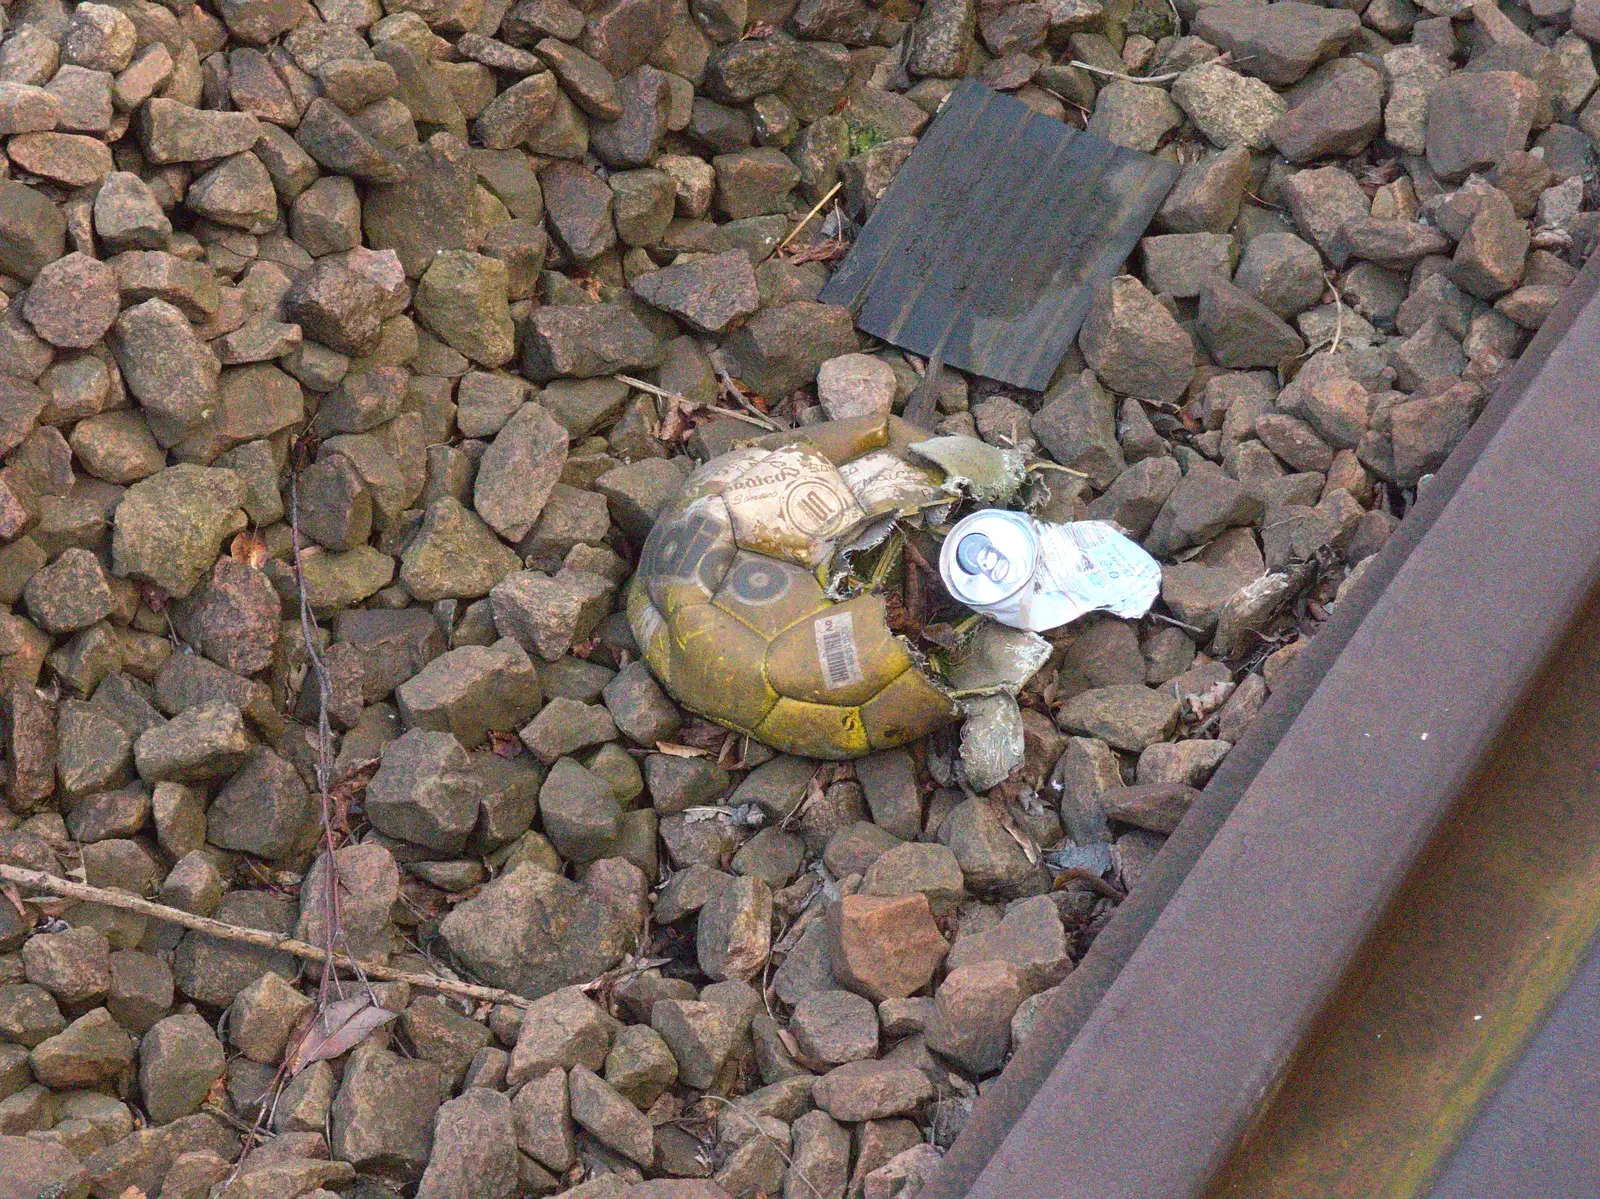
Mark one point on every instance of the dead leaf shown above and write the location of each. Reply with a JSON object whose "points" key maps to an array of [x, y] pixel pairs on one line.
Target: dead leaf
{"points": [[133, 1192], [340, 1027], [249, 547], [1201, 704], [673, 749], [503, 744], [789, 1043], [814, 790], [15, 897], [823, 251], [678, 422], [1029, 847], [217, 1096], [694, 815]]}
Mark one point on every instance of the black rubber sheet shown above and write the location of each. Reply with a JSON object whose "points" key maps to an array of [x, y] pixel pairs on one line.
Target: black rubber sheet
{"points": [[990, 240]]}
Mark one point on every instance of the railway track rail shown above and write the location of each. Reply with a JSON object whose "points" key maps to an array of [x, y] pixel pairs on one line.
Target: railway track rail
{"points": [[1365, 964]]}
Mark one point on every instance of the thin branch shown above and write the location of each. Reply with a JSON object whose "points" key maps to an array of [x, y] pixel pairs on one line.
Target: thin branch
{"points": [[1093, 70], [1338, 312], [663, 393], [805, 220], [333, 923], [122, 900], [731, 389], [651, 388], [762, 1133]]}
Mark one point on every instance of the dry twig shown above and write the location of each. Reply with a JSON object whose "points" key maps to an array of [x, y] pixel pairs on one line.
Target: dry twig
{"points": [[1094, 70], [805, 220], [84, 893]]}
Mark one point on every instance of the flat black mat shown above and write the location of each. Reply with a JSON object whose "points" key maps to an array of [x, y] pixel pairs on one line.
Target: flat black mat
{"points": [[991, 238]]}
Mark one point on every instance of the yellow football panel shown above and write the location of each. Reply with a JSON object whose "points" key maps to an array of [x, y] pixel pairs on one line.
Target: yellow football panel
{"points": [[687, 553], [716, 666], [814, 730], [837, 440], [907, 708], [768, 595], [844, 654], [650, 631]]}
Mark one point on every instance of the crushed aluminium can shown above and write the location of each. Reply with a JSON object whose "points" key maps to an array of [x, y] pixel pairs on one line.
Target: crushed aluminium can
{"points": [[1031, 575]]}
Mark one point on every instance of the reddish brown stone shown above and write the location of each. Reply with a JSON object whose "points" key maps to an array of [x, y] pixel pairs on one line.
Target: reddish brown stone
{"points": [[73, 301], [885, 947], [30, 748]]}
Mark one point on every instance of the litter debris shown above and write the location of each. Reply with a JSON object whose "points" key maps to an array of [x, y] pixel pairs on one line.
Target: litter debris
{"points": [[1032, 575], [976, 467], [992, 743], [997, 658], [985, 250], [788, 591], [730, 609]]}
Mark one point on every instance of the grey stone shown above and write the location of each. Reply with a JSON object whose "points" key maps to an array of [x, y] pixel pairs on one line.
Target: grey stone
{"points": [[474, 1149], [454, 555], [1476, 118], [464, 298], [264, 810], [199, 745], [172, 132], [179, 1059], [1176, 264], [518, 471], [1277, 42], [582, 341], [580, 810], [1241, 332], [166, 366], [534, 932], [472, 690], [383, 1115], [1134, 115], [1338, 110], [547, 615], [1133, 344], [1230, 109], [781, 349], [708, 295]]}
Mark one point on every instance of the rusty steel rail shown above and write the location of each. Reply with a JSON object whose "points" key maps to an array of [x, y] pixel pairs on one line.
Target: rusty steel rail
{"points": [[1362, 965]]}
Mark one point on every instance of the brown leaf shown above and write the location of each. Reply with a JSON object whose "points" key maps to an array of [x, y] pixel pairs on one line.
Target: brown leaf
{"points": [[1025, 842], [133, 1192], [678, 422], [675, 750], [789, 1043], [303, 452], [339, 1028], [249, 547], [503, 744], [15, 897], [702, 734], [217, 1096], [822, 251]]}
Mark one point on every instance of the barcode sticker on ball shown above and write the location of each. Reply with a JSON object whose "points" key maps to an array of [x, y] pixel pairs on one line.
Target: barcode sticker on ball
{"points": [[836, 650]]}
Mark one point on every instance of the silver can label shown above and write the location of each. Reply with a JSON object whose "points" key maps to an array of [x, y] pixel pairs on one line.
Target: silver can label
{"points": [[1031, 575]]}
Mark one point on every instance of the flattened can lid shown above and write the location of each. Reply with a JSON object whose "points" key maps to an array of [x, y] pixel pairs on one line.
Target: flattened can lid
{"points": [[989, 557]]}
